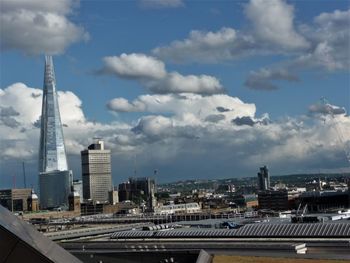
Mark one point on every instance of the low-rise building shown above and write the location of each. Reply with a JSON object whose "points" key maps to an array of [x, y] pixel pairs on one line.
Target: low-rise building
{"points": [[172, 209], [15, 199]]}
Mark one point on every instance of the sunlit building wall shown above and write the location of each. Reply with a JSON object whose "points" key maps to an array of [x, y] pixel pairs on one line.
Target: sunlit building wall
{"points": [[96, 172]]}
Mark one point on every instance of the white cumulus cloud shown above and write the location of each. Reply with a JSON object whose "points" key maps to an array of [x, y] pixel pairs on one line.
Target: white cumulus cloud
{"points": [[205, 46], [189, 132], [271, 31], [330, 38], [187, 108], [151, 73], [37, 27], [134, 66], [273, 23]]}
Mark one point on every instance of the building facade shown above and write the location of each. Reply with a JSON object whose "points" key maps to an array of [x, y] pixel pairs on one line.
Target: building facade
{"points": [[78, 187], [74, 201], [323, 201], [96, 172], [33, 202], [15, 199], [113, 197], [55, 179], [173, 209], [278, 200], [139, 190]]}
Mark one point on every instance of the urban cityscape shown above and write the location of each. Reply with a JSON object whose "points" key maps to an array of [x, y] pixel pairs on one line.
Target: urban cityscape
{"points": [[183, 171]]}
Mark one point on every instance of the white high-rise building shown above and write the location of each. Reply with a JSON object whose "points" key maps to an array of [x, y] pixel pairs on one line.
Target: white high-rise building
{"points": [[96, 172]]}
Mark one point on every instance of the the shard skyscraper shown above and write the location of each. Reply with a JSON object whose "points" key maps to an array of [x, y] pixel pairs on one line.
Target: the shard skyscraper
{"points": [[55, 179]]}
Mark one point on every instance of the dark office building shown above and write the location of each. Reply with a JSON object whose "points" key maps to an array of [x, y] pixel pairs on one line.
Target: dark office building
{"points": [[15, 199], [325, 200], [124, 191], [137, 189], [263, 179], [277, 200]]}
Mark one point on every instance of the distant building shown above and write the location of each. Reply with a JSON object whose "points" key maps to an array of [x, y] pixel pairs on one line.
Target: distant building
{"points": [[243, 200], [226, 188], [78, 187], [178, 209], [263, 179], [277, 200], [32, 202], [15, 199], [91, 208], [74, 200], [113, 197], [138, 189], [315, 185], [322, 201], [124, 191], [55, 179], [96, 172], [280, 186]]}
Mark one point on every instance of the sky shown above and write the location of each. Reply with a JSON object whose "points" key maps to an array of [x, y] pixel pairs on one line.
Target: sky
{"points": [[192, 89]]}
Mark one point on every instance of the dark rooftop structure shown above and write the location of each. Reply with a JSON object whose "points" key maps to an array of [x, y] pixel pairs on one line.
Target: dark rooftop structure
{"points": [[320, 201], [20, 242]]}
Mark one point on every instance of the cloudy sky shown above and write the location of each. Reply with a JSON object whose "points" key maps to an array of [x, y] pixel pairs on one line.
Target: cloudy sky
{"points": [[194, 89]]}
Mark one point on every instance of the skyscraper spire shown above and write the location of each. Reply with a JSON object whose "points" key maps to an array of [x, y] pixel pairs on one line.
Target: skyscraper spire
{"points": [[54, 177], [52, 154]]}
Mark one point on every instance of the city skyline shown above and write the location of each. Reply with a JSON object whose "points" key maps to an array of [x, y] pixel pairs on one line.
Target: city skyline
{"points": [[193, 90]]}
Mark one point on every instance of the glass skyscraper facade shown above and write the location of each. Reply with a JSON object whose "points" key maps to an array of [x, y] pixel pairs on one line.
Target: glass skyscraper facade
{"points": [[55, 179]]}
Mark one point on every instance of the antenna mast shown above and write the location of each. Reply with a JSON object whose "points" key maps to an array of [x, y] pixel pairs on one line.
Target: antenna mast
{"points": [[24, 175]]}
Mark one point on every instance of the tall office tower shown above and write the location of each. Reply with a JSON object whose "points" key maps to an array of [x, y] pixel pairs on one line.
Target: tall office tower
{"points": [[96, 170], [263, 179], [55, 179]]}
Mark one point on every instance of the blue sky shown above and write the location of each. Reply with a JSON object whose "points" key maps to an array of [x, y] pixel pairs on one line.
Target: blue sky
{"points": [[277, 57]]}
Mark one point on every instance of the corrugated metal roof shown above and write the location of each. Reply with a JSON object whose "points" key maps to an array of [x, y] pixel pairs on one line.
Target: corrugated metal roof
{"points": [[253, 230], [294, 230]]}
